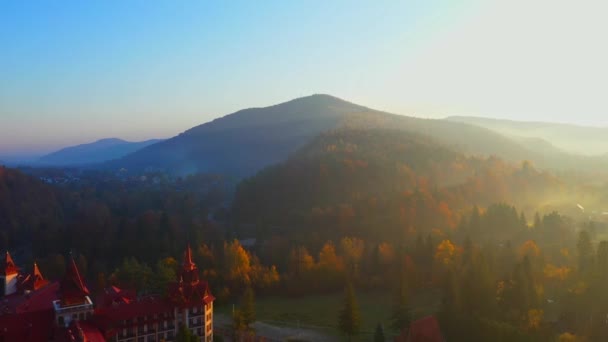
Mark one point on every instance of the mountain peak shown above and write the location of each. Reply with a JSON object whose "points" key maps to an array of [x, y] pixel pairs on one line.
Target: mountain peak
{"points": [[110, 141], [322, 100]]}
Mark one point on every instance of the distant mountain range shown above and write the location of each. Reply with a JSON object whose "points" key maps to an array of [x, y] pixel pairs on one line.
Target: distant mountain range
{"points": [[571, 138], [93, 153], [244, 142]]}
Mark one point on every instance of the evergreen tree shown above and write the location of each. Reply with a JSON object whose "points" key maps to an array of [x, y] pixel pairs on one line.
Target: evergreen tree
{"points": [[475, 222], [247, 311], [523, 220], [349, 320], [585, 251], [537, 221], [467, 253], [400, 315], [185, 335], [379, 334]]}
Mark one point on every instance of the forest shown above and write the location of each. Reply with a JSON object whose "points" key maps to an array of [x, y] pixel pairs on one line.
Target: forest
{"points": [[505, 244]]}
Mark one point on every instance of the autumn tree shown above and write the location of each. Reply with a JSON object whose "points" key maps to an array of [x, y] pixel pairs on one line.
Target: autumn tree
{"points": [[352, 251], [445, 252], [237, 265]]}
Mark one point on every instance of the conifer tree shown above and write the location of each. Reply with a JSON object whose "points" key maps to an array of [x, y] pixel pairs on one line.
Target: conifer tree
{"points": [[585, 251], [400, 314], [379, 334], [349, 320], [248, 307]]}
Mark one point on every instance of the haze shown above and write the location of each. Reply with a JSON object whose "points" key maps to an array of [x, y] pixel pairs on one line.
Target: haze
{"points": [[137, 70]]}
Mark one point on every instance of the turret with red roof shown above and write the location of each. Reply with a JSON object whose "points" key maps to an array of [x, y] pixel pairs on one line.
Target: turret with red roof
{"points": [[72, 289], [8, 274]]}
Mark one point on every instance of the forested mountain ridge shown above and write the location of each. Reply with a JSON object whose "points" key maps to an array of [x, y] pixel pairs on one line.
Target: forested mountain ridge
{"points": [[244, 142], [26, 206], [370, 180], [95, 152], [585, 140]]}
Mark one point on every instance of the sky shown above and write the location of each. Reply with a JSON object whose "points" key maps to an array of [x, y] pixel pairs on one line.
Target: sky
{"points": [[76, 71]]}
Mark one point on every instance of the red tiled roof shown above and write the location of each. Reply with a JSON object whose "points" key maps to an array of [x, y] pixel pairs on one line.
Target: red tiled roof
{"points": [[27, 327], [73, 289], [83, 331], [425, 330], [39, 300], [115, 296], [32, 282], [7, 265], [110, 319], [29, 318]]}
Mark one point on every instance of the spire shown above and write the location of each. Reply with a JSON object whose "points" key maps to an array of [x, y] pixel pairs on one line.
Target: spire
{"points": [[73, 289], [188, 263], [33, 281], [8, 265], [189, 271], [37, 274]]}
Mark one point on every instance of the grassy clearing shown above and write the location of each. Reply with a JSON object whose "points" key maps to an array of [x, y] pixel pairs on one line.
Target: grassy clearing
{"points": [[321, 311]]}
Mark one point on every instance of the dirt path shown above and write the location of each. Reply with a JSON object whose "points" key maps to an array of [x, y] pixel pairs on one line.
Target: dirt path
{"points": [[279, 333]]}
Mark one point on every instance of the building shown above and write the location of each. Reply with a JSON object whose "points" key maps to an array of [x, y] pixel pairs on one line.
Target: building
{"points": [[34, 309], [423, 330]]}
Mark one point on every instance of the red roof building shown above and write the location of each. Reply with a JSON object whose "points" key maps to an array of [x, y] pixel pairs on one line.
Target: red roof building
{"points": [[423, 330], [63, 311], [8, 275]]}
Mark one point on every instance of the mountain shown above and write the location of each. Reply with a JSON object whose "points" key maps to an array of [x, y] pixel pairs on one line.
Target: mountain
{"points": [[92, 153], [244, 142], [372, 180], [571, 138]]}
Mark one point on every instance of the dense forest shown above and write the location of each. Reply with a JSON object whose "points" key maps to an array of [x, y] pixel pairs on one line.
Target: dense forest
{"points": [[504, 244]]}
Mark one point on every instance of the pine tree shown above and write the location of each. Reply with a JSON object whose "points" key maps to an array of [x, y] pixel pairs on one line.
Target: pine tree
{"points": [[537, 221], [379, 334], [475, 222], [185, 335], [523, 220], [349, 320], [248, 307], [585, 251], [400, 315]]}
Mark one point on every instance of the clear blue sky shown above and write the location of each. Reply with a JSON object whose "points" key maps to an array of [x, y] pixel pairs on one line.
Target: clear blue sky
{"points": [[76, 71]]}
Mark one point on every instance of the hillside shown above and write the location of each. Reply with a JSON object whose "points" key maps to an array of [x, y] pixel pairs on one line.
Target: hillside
{"points": [[244, 142], [369, 181], [572, 138], [26, 206], [95, 152]]}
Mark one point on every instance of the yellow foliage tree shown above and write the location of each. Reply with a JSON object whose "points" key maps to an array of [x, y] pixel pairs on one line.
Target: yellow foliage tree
{"points": [[529, 248], [567, 337], [445, 251], [237, 263], [535, 318]]}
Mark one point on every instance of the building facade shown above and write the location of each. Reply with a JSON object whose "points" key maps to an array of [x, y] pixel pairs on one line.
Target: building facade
{"points": [[34, 309]]}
